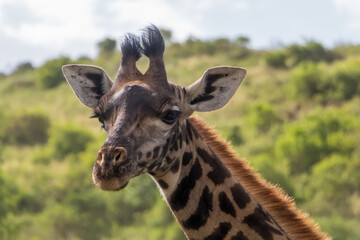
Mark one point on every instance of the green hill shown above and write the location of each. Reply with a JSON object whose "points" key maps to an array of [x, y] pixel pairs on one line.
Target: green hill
{"points": [[296, 118]]}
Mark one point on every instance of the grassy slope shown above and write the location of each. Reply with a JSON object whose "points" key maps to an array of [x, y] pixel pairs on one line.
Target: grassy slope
{"points": [[262, 84]]}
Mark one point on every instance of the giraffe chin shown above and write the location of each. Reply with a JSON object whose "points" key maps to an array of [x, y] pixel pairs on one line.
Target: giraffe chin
{"points": [[112, 184]]}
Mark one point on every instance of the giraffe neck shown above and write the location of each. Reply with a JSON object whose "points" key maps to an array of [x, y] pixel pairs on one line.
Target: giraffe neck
{"points": [[207, 200]]}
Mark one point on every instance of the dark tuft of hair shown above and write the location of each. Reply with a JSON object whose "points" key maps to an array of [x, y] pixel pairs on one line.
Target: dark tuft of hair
{"points": [[131, 47], [152, 42]]}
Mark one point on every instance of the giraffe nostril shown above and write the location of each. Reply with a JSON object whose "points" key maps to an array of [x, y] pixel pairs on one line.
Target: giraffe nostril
{"points": [[120, 155], [99, 158], [108, 157], [117, 158]]}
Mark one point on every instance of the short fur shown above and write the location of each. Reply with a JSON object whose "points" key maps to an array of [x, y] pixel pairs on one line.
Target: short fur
{"points": [[272, 198]]}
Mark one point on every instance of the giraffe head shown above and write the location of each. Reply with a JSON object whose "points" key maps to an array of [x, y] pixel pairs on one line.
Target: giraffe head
{"points": [[141, 113]]}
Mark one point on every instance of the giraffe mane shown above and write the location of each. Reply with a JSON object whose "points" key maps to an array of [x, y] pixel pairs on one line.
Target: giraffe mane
{"points": [[280, 206]]}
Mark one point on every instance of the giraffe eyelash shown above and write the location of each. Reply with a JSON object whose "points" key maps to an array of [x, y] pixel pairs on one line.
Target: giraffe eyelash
{"points": [[100, 118]]}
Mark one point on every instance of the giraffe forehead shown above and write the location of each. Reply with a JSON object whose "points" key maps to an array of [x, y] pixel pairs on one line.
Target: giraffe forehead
{"points": [[135, 94], [137, 99], [133, 89]]}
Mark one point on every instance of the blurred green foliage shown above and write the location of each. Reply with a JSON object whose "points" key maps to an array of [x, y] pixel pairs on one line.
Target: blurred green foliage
{"points": [[276, 59], [107, 46], [345, 80], [50, 74], [295, 117], [262, 116], [68, 139], [8, 203], [25, 128], [318, 135], [23, 67], [310, 51], [319, 82], [306, 80], [295, 54]]}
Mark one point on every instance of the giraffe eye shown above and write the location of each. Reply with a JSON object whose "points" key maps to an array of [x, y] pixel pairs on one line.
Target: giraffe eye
{"points": [[170, 116], [102, 122]]}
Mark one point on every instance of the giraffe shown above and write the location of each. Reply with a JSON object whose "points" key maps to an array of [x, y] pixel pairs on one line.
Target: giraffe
{"points": [[212, 193]]}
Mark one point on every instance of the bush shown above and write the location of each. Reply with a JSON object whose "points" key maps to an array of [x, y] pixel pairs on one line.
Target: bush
{"points": [[312, 51], [337, 178], [306, 80], [50, 74], [23, 67], [26, 129], [91, 219], [262, 116], [340, 228], [276, 59], [235, 136], [196, 46], [315, 137], [346, 81], [8, 202], [68, 139], [159, 221], [342, 82]]}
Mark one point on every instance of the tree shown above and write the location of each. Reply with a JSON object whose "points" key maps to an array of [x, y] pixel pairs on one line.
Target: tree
{"points": [[167, 35], [242, 41], [23, 67], [107, 46], [311, 51]]}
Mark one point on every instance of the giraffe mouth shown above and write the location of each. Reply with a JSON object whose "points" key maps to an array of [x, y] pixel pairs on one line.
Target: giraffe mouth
{"points": [[113, 178], [112, 184]]}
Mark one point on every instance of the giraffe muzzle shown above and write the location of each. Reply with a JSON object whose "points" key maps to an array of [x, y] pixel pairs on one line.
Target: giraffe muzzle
{"points": [[110, 157]]}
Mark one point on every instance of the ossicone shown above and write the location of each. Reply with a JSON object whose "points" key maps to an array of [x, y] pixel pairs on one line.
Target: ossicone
{"points": [[152, 45]]}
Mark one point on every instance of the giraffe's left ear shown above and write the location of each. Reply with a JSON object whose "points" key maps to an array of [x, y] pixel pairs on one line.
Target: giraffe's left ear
{"points": [[214, 89]]}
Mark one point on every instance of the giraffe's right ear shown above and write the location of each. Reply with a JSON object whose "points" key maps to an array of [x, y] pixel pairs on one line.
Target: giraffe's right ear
{"points": [[89, 83]]}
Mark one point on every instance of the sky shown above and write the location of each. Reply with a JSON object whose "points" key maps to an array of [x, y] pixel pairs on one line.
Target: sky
{"points": [[38, 30]]}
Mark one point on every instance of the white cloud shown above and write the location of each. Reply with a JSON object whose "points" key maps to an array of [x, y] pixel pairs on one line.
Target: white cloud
{"points": [[184, 18], [72, 27], [57, 22], [137, 14], [351, 8]]}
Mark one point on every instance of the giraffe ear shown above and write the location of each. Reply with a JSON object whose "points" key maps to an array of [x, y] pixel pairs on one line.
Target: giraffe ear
{"points": [[215, 88], [89, 83]]}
